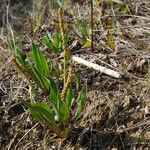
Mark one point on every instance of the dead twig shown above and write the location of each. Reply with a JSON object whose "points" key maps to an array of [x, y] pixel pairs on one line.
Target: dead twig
{"points": [[96, 67], [11, 142], [25, 135]]}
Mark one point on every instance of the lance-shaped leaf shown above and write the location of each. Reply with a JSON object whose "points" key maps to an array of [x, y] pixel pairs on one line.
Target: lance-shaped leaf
{"points": [[21, 58], [51, 44], [54, 93], [37, 58], [40, 61], [82, 98], [32, 73], [54, 97], [43, 113], [46, 70], [69, 97], [57, 41], [37, 77], [63, 112], [59, 106]]}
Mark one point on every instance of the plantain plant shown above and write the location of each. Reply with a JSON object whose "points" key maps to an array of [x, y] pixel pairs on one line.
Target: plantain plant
{"points": [[57, 112]]}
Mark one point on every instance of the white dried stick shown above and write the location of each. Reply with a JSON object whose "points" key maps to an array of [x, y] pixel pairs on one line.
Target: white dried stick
{"points": [[96, 67]]}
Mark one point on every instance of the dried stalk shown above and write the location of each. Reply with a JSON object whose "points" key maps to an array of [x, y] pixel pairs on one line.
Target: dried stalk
{"points": [[96, 67], [66, 52], [68, 83]]}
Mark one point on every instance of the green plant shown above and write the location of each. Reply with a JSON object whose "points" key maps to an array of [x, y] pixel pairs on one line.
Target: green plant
{"points": [[34, 67], [52, 42], [57, 112]]}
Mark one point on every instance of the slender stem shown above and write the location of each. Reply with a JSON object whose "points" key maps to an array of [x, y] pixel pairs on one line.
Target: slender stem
{"points": [[92, 26]]}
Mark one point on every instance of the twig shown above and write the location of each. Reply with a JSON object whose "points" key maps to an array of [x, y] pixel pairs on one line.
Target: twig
{"points": [[96, 67], [11, 142], [25, 135]]}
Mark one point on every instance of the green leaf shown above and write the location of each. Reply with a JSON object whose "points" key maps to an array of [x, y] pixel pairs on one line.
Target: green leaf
{"points": [[47, 42], [37, 77], [54, 93], [111, 41], [83, 28], [57, 41], [63, 112], [42, 113], [69, 97], [55, 4], [40, 61], [87, 44], [21, 58], [37, 58], [77, 82], [44, 82], [59, 106], [82, 98], [44, 107], [13, 47], [46, 113], [46, 71], [50, 43], [32, 73], [34, 113], [54, 97]]}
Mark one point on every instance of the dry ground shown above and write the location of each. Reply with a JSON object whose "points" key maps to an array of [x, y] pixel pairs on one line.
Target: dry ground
{"points": [[117, 114]]}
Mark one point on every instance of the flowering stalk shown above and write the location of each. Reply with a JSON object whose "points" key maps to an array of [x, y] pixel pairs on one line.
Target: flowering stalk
{"points": [[66, 51], [67, 84]]}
